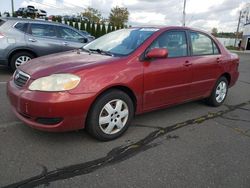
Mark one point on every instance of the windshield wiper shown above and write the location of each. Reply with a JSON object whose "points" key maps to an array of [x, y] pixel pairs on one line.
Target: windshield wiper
{"points": [[102, 52], [86, 50]]}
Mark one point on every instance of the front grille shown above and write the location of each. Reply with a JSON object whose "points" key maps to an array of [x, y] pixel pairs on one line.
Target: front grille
{"points": [[20, 78]]}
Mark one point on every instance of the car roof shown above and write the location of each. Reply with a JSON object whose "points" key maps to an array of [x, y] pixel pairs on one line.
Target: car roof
{"points": [[161, 27], [30, 20]]}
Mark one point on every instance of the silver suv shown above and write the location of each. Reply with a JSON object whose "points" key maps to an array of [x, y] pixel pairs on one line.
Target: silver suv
{"points": [[24, 39]]}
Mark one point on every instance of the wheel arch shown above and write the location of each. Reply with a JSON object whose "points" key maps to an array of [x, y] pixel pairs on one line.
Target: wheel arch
{"points": [[20, 50], [123, 88], [227, 76]]}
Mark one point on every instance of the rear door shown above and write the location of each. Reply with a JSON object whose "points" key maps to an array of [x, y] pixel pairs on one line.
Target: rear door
{"points": [[69, 38], [206, 64], [42, 39], [167, 80]]}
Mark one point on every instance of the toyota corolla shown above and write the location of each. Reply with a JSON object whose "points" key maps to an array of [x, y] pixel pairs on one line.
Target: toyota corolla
{"points": [[130, 71]]}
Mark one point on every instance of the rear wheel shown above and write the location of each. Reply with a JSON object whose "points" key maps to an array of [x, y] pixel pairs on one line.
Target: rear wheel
{"points": [[219, 92], [110, 115], [19, 59]]}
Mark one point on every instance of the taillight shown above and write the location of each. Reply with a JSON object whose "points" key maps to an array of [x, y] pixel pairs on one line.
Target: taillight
{"points": [[1, 36]]}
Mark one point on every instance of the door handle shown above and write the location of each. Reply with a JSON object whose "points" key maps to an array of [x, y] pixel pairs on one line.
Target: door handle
{"points": [[32, 40], [65, 43], [187, 63], [218, 60]]}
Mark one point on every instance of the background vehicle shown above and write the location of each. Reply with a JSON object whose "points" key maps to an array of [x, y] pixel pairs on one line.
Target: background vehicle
{"points": [[24, 39], [20, 12], [41, 13]]}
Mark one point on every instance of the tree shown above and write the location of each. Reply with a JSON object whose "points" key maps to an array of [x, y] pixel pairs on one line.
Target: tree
{"points": [[109, 28], [59, 19], [214, 31], [71, 23], [113, 27], [88, 28], [103, 32], [53, 18], [77, 25], [118, 16], [93, 15], [92, 32], [82, 26], [98, 30]]}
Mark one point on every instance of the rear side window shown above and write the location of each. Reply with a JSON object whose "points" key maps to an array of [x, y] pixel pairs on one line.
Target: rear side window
{"points": [[42, 30], [1, 22], [21, 27], [202, 44]]}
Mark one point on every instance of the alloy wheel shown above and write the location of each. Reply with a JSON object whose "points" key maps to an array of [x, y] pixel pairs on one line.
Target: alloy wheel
{"points": [[221, 91], [113, 116]]}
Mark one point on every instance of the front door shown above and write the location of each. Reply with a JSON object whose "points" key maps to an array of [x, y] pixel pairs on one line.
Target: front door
{"points": [[166, 81], [70, 39]]}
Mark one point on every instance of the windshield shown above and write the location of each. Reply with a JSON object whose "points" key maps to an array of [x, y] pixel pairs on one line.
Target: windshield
{"points": [[121, 42]]}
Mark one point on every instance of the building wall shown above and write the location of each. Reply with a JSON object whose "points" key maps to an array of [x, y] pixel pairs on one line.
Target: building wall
{"points": [[228, 41], [246, 35]]}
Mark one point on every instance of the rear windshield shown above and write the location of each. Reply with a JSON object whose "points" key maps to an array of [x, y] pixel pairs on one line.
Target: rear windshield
{"points": [[1, 22]]}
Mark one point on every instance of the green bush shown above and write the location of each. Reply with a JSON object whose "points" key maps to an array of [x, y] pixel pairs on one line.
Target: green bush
{"points": [[232, 48]]}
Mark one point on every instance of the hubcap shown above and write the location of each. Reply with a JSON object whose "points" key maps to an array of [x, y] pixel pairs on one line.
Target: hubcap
{"points": [[21, 60], [113, 116], [221, 91]]}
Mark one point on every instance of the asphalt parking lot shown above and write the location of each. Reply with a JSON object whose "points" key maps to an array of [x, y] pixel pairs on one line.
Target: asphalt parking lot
{"points": [[190, 145]]}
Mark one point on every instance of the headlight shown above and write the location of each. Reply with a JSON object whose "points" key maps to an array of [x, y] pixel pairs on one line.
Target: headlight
{"points": [[55, 82]]}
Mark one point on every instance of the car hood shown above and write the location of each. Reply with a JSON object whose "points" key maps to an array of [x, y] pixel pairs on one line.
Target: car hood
{"points": [[67, 62]]}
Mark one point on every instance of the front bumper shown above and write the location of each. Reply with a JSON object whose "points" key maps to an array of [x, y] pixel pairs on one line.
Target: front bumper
{"points": [[67, 111]]}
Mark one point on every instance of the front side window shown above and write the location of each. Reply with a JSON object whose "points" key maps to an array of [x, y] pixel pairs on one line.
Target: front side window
{"points": [[68, 34], [121, 42], [43, 30], [201, 44], [174, 41]]}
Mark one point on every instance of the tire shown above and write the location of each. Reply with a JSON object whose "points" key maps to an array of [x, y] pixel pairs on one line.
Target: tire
{"points": [[23, 58], [221, 88], [110, 115]]}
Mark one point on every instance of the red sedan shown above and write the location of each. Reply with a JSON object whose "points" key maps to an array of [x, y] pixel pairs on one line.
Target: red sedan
{"points": [[130, 71]]}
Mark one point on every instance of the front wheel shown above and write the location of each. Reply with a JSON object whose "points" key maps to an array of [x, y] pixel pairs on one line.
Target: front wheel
{"points": [[110, 115], [219, 92]]}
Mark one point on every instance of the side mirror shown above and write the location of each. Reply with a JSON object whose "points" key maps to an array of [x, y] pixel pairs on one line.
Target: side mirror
{"points": [[157, 53], [83, 40]]}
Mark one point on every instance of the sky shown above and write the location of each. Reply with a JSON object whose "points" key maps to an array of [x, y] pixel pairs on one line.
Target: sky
{"points": [[203, 14]]}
